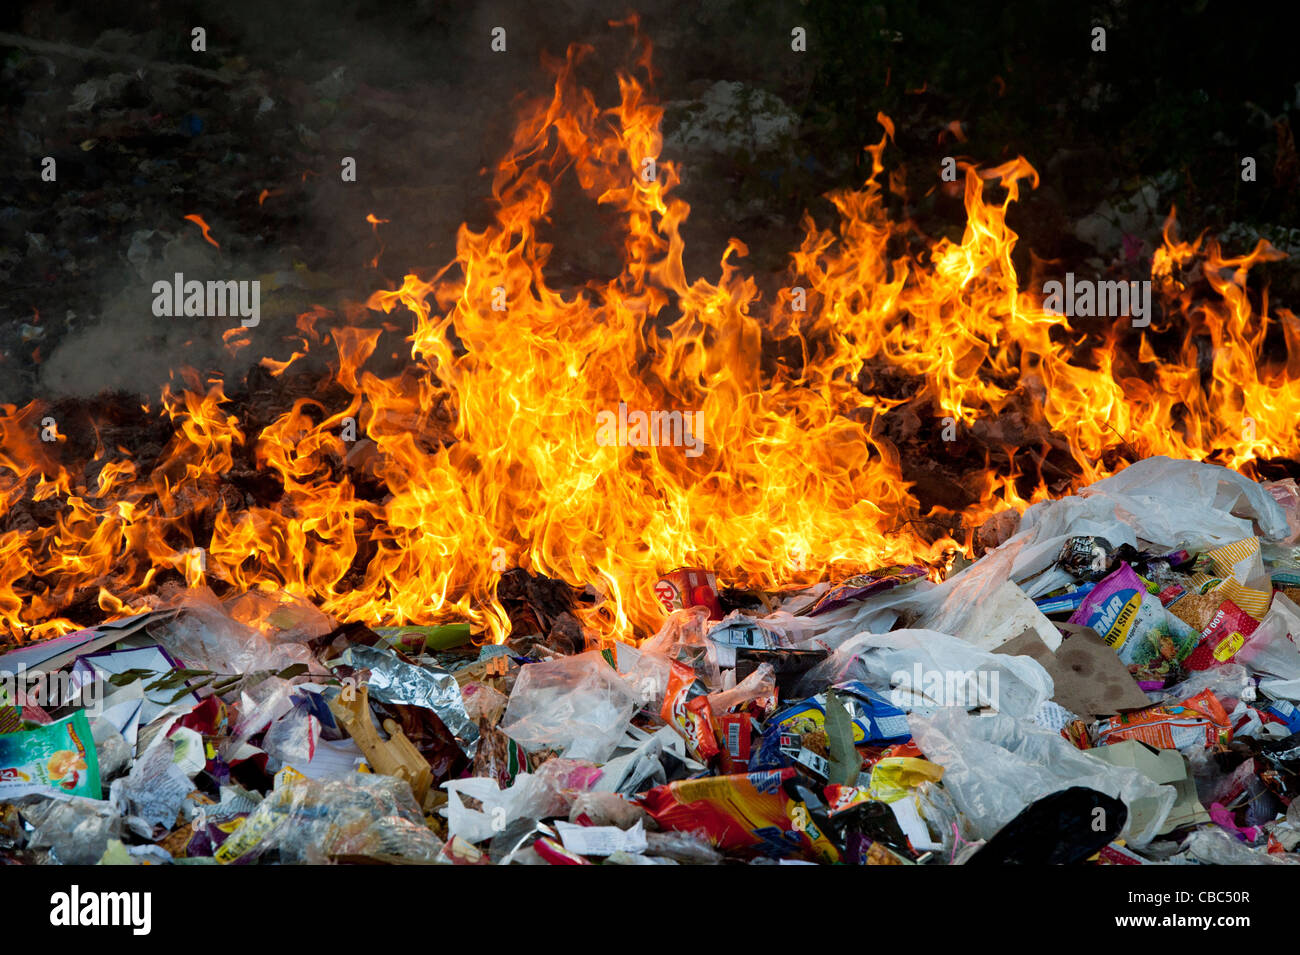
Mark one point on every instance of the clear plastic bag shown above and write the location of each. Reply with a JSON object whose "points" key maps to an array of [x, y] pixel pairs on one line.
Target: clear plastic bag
{"points": [[204, 636], [363, 815], [76, 831], [579, 704], [542, 795]]}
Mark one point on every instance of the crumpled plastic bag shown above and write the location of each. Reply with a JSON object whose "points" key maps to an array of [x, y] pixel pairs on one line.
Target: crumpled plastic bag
{"points": [[1215, 846], [1190, 503], [579, 704], [903, 663], [75, 830], [1270, 652], [204, 636], [995, 766], [549, 792], [361, 815]]}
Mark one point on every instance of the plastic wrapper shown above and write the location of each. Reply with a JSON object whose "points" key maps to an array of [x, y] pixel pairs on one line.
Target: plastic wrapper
{"points": [[1229, 630], [483, 702], [204, 636], [280, 617], [682, 639], [1213, 846], [797, 734], [57, 757], [1149, 639], [995, 766], [739, 630], [75, 831], [866, 585], [1199, 720], [547, 793], [686, 709], [393, 680], [1086, 558], [308, 822], [903, 665], [579, 704], [1270, 652], [292, 739], [498, 757], [111, 749], [744, 813], [759, 685]]}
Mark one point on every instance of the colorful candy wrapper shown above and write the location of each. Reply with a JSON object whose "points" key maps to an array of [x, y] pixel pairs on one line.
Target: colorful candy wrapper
{"points": [[1135, 624], [1198, 721], [686, 709], [865, 585], [59, 757], [749, 812]]}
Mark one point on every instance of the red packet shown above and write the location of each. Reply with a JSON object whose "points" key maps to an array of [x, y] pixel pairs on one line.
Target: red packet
{"points": [[688, 587], [554, 853], [733, 740], [1227, 633]]}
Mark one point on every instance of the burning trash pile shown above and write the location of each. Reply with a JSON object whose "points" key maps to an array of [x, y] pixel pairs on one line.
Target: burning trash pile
{"points": [[367, 606], [1116, 682]]}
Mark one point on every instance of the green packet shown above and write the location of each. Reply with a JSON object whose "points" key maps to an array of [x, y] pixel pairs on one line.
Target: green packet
{"points": [[58, 757]]}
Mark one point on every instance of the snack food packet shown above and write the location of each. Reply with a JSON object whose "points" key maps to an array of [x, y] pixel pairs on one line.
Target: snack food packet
{"points": [[1136, 624], [58, 757], [1227, 633], [686, 709], [1198, 721]]}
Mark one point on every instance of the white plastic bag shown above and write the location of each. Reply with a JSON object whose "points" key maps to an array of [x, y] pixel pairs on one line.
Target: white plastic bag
{"points": [[995, 766], [905, 664]]}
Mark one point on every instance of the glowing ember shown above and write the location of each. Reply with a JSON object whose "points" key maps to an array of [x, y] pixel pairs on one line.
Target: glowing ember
{"points": [[207, 236]]}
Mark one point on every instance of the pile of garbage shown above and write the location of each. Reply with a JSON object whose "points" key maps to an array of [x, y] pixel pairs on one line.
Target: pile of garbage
{"points": [[1115, 682]]}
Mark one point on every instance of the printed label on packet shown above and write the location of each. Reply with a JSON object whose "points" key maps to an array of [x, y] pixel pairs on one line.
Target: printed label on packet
{"points": [[58, 757]]}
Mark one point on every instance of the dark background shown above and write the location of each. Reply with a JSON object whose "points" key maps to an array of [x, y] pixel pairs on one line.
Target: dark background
{"points": [[413, 92]]}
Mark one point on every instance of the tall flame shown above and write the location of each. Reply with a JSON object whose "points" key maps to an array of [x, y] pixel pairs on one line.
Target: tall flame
{"points": [[486, 448]]}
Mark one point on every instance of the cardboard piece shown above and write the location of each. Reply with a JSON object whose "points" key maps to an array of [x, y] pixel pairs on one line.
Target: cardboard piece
{"points": [[104, 664], [1088, 676], [50, 655], [1165, 766]]}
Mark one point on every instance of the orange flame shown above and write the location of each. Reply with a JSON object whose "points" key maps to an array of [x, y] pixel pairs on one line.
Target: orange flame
{"points": [[198, 220], [487, 451]]}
